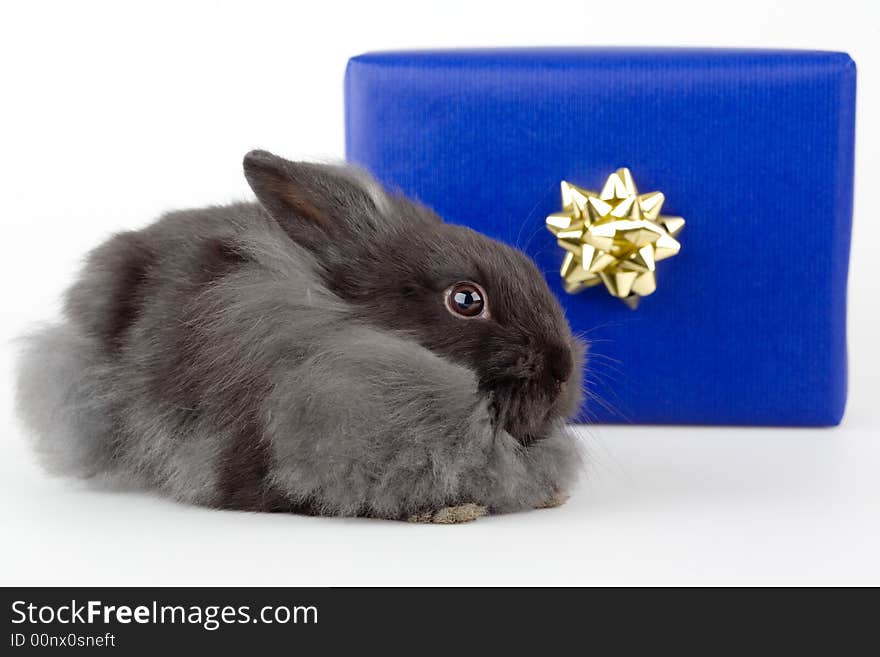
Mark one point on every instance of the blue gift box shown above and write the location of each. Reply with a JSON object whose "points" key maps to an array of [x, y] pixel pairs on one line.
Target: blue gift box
{"points": [[753, 148]]}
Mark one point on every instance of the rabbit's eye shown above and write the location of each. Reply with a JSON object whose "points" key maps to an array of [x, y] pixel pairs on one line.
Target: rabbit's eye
{"points": [[467, 300]]}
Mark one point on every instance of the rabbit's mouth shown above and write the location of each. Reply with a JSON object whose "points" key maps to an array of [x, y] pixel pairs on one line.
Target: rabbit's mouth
{"points": [[522, 411], [532, 396]]}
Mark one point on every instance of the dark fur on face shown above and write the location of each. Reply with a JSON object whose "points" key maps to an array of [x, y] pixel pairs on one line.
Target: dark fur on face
{"points": [[396, 272], [523, 352]]}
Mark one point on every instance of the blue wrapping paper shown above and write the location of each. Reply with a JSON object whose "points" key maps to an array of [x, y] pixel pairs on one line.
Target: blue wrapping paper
{"points": [[753, 148]]}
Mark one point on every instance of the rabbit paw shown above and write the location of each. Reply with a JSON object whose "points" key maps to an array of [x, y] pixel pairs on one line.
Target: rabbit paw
{"points": [[558, 498], [451, 515]]}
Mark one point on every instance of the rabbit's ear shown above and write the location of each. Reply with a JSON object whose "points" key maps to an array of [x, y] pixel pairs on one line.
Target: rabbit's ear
{"points": [[316, 204]]}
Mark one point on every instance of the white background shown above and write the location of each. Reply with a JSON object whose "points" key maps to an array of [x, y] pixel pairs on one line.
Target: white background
{"points": [[110, 114]]}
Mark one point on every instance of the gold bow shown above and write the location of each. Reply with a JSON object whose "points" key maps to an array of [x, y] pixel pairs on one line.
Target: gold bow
{"points": [[615, 237]]}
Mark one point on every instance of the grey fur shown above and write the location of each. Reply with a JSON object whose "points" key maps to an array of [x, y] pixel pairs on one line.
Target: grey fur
{"points": [[296, 355]]}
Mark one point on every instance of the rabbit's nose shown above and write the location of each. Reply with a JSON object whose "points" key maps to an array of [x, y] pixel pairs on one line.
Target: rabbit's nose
{"points": [[558, 363]]}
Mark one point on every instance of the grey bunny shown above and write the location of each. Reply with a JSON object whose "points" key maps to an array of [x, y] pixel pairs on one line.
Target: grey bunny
{"points": [[333, 349]]}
